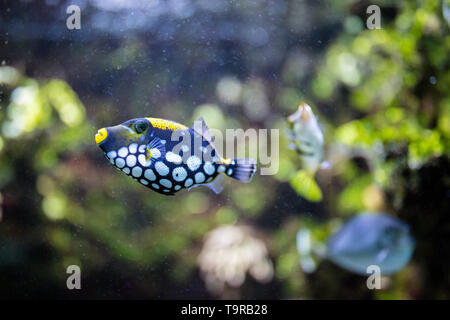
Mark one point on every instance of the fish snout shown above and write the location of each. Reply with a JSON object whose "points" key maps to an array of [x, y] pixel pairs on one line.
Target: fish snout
{"points": [[101, 135]]}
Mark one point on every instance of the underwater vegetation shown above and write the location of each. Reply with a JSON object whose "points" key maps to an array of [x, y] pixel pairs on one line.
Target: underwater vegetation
{"points": [[378, 101]]}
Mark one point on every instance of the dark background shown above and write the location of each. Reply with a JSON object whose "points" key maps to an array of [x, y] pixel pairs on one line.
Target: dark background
{"points": [[381, 97]]}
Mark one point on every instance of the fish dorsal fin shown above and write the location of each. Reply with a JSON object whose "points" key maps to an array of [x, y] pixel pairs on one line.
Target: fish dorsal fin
{"points": [[382, 255], [202, 129]]}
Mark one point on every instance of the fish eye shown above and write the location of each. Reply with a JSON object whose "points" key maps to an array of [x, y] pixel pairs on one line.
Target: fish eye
{"points": [[140, 126]]}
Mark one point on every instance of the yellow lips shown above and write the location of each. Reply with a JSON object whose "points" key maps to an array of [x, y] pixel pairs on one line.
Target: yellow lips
{"points": [[101, 135]]}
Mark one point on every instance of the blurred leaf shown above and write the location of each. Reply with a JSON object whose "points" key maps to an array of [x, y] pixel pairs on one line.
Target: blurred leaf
{"points": [[305, 185]]}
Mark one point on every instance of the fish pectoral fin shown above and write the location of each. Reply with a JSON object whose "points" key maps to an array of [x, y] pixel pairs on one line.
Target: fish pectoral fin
{"points": [[292, 146], [193, 186], [148, 154], [290, 134], [217, 184], [325, 165], [294, 117], [155, 149], [382, 255]]}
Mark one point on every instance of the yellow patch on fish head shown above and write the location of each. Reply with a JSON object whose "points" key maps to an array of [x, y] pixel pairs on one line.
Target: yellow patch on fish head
{"points": [[101, 135]]}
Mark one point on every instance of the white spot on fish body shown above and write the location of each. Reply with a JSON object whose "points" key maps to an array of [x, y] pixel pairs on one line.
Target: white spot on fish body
{"points": [[131, 161], [189, 182], [126, 170], [221, 168], [136, 172], [209, 168], [123, 152], [179, 174], [154, 185], [161, 168], [111, 155], [230, 172], [143, 181], [155, 153], [166, 183], [143, 161], [193, 162], [174, 158], [133, 147], [120, 163], [199, 177], [177, 187], [142, 148], [150, 175]]}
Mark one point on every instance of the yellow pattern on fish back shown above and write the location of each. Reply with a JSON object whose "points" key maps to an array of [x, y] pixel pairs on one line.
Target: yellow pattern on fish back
{"points": [[166, 124]]}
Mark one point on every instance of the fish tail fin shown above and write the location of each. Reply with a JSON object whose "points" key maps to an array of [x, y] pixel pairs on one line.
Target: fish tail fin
{"points": [[241, 169]]}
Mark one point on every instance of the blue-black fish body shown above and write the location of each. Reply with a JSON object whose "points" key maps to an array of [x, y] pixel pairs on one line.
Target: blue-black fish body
{"points": [[371, 239], [167, 156]]}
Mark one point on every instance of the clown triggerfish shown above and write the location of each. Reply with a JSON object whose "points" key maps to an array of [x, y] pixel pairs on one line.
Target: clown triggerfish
{"points": [[167, 156]]}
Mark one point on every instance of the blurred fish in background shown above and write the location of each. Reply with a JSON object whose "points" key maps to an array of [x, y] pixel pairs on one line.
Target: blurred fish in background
{"points": [[304, 249], [307, 140], [372, 239], [446, 10]]}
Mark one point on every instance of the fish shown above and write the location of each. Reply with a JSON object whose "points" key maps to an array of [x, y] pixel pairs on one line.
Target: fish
{"points": [[446, 10], [167, 156], [306, 138], [371, 239], [304, 248]]}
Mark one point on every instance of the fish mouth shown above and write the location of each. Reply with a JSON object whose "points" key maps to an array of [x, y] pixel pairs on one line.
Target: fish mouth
{"points": [[101, 135], [305, 112]]}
